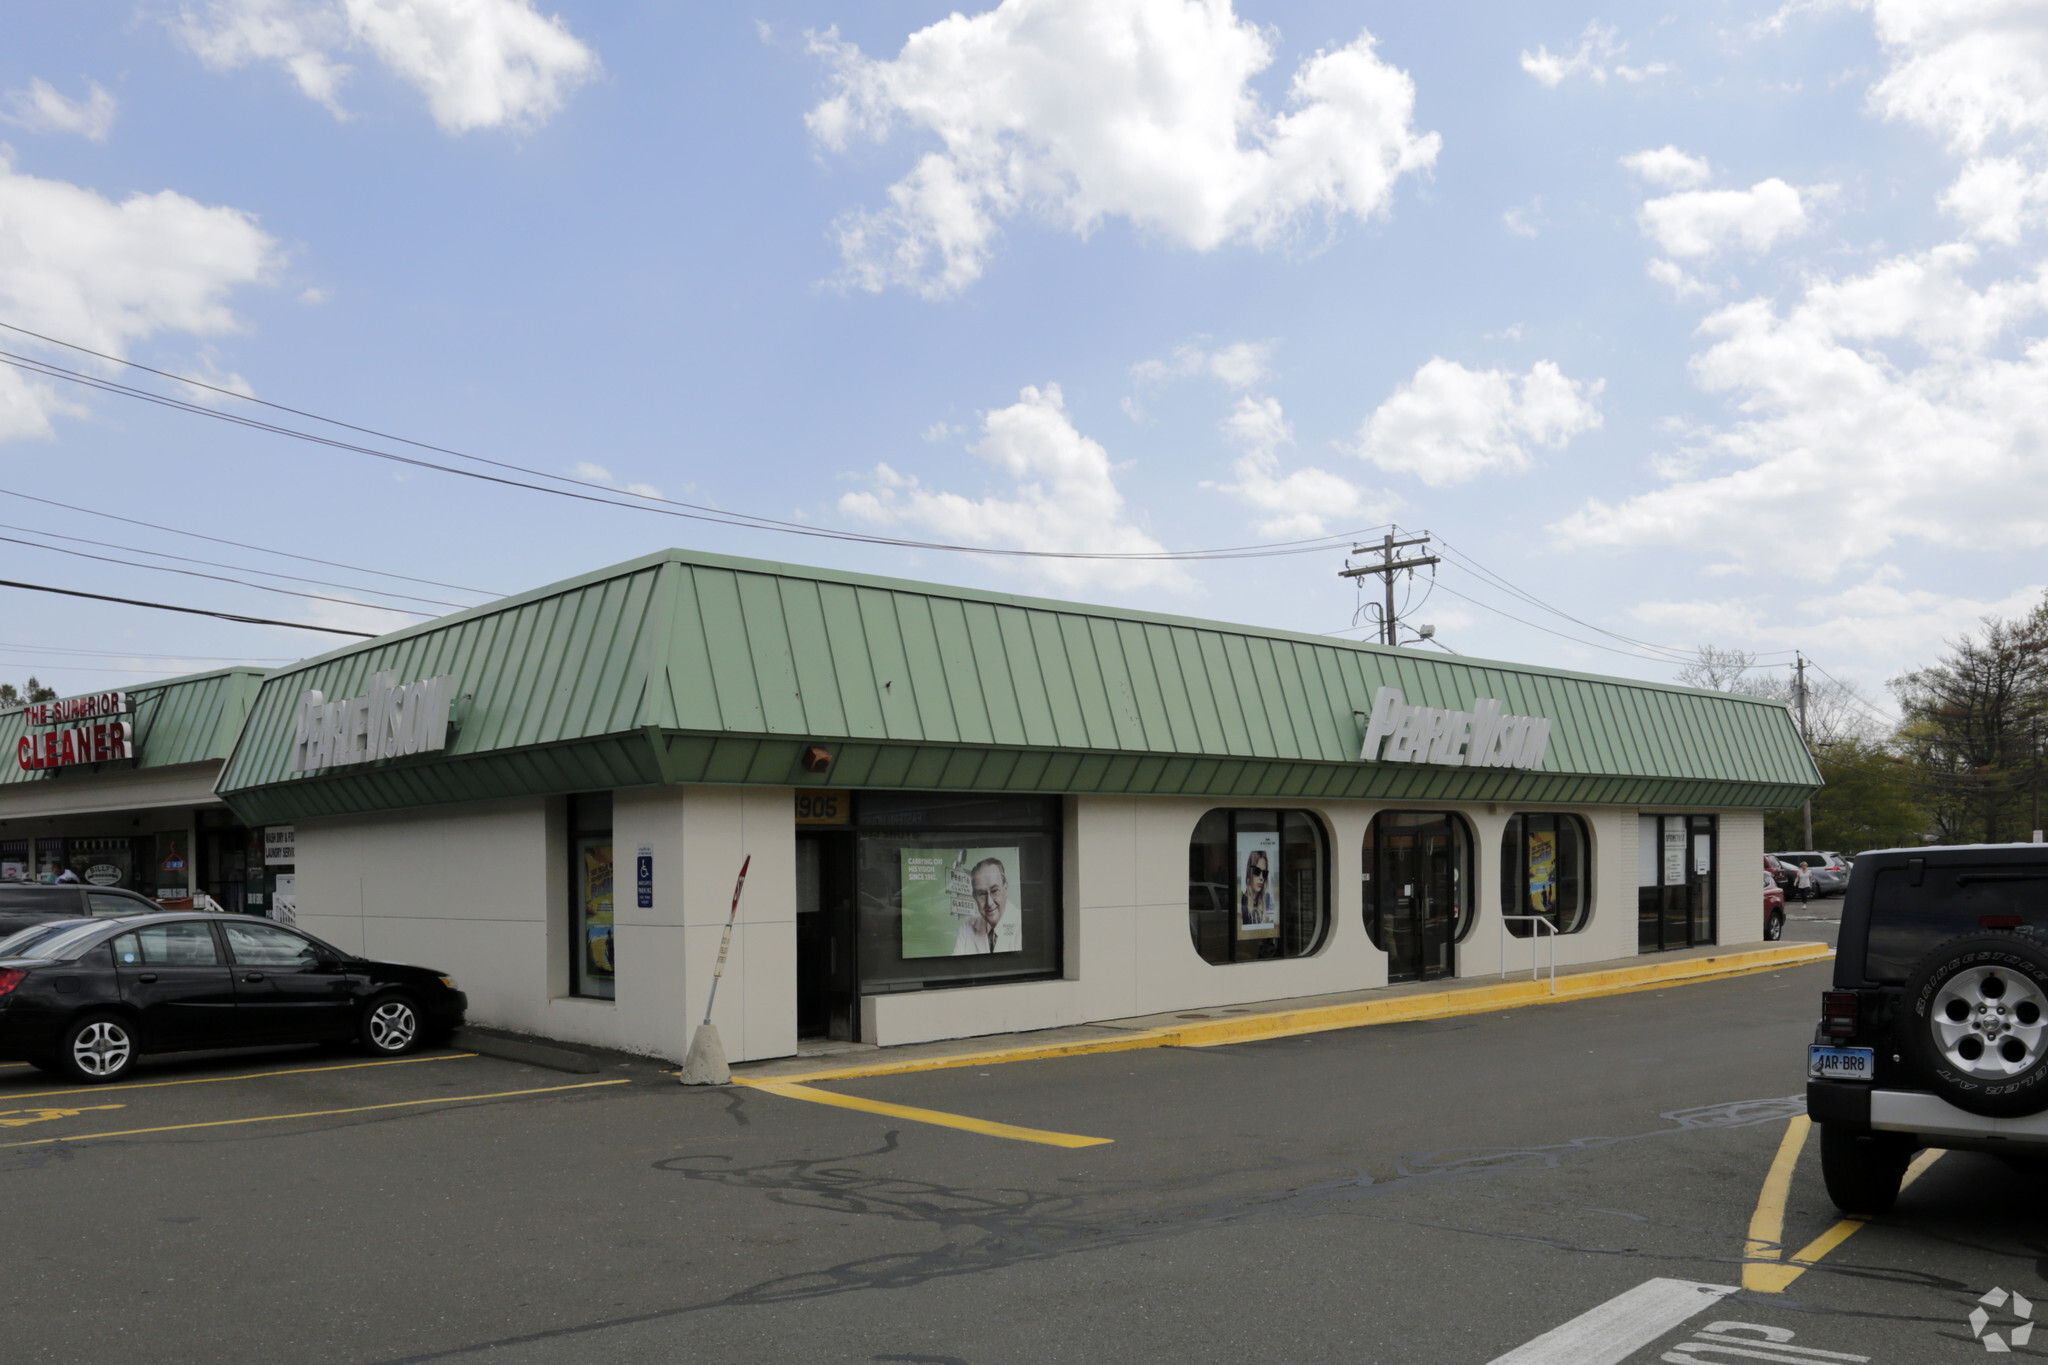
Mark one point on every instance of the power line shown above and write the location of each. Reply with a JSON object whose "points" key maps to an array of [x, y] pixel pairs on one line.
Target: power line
{"points": [[22, 647], [242, 545], [612, 497], [189, 611], [237, 568], [218, 578]]}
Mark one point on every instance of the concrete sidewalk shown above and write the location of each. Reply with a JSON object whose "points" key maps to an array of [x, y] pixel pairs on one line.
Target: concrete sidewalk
{"points": [[1279, 1018]]}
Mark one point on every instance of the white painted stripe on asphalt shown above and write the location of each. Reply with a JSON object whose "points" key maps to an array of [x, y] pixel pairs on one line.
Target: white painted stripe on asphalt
{"points": [[1619, 1327]]}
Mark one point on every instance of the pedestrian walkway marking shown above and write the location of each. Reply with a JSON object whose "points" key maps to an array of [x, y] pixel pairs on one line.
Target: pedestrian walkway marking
{"points": [[792, 1091], [21, 1118], [245, 1076], [1620, 1327], [314, 1113], [1767, 1224]]}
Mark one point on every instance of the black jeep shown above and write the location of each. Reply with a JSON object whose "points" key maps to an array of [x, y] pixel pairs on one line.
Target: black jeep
{"points": [[1936, 1033]]}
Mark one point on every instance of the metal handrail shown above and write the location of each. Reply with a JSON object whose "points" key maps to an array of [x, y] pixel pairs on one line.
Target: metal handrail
{"points": [[1542, 922]]}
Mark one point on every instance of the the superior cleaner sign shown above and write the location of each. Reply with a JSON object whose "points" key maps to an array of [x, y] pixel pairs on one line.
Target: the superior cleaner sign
{"points": [[1484, 737], [93, 729]]}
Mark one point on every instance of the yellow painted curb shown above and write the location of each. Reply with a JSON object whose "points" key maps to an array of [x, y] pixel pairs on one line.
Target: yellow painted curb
{"points": [[1648, 976]]}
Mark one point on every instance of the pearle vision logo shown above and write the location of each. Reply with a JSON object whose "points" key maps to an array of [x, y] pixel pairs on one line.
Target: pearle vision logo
{"points": [[2022, 1312]]}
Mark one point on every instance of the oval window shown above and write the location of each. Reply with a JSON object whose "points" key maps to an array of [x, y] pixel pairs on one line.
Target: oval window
{"points": [[1545, 872], [1258, 888]]}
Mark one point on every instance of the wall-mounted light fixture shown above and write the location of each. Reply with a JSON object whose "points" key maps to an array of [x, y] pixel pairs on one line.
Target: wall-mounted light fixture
{"points": [[817, 760]]}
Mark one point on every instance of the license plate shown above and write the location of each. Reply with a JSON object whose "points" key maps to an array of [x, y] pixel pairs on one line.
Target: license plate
{"points": [[1840, 1063]]}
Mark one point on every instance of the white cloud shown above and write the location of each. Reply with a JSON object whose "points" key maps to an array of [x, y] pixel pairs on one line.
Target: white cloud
{"points": [[1702, 222], [480, 63], [1897, 399], [1240, 365], [1522, 221], [941, 431], [1669, 168], [1449, 424], [43, 109], [1595, 59], [314, 295], [1596, 45], [105, 275], [1062, 497], [1299, 504], [1078, 111], [1998, 198], [597, 473], [1967, 71], [1681, 284], [1875, 620]]}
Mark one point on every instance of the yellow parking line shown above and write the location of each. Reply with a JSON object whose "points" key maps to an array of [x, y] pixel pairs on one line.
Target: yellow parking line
{"points": [[315, 1113], [793, 1091], [1772, 1279], [215, 1080], [1767, 1224]]}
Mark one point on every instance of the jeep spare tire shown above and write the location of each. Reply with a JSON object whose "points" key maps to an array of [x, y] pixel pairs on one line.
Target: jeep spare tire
{"points": [[1976, 1024]]}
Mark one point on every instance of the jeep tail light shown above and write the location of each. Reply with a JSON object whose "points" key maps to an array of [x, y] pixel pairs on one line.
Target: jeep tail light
{"points": [[1840, 1013], [10, 977]]}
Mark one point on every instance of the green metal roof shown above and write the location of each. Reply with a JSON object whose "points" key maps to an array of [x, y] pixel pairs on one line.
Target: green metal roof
{"points": [[686, 667], [178, 720]]}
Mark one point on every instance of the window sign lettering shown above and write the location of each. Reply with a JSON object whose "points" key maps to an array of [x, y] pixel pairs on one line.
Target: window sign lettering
{"points": [[1484, 737], [1674, 851], [389, 721], [281, 846], [644, 874]]}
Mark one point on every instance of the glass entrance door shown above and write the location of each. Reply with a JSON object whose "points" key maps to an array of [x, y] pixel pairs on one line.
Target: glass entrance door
{"points": [[1675, 895], [1415, 881], [827, 976]]}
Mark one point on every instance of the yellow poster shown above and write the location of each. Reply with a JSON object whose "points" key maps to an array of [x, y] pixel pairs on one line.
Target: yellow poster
{"points": [[1543, 872], [597, 907]]}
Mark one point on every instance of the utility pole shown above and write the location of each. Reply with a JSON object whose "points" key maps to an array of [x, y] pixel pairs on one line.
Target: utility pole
{"points": [[1386, 569], [1805, 735], [2034, 750]]}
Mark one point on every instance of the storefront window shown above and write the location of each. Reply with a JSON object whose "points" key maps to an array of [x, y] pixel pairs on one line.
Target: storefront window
{"points": [[1416, 867], [13, 860], [591, 945], [1256, 885], [956, 890], [1544, 870]]}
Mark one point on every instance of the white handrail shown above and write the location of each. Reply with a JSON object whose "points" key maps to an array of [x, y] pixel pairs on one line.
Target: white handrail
{"points": [[1542, 922]]}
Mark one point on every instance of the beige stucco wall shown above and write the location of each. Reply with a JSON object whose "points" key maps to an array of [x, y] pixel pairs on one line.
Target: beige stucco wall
{"points": [[482, 892]]}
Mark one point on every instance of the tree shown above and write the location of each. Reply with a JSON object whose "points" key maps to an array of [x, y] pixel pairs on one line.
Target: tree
{"points": [[1969, 727], [10, 698], [1871, 800]]}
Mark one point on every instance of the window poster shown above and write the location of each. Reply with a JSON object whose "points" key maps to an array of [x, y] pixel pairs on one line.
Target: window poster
{"points": [[958, 901], [1258, 906], [1543, 871], [13, 860], [1674, 851], [594, 884]]}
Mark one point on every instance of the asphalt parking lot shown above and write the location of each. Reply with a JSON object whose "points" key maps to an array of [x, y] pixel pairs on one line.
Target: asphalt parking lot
{"points": [[1430, 1192]]}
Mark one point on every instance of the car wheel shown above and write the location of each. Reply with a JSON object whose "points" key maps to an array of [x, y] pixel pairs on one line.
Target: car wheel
{"points": [[97, 1049], [1774, 928], [1977, 1024], [1862, 1170], [391, 1025]]}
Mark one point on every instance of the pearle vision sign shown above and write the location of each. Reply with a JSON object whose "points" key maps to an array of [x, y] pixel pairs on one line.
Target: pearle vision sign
{"points": [[1483, 737], [389, 721]]}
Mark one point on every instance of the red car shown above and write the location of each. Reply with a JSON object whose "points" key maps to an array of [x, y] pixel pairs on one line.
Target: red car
{"points": [[1783, 873], [1774, 908]]}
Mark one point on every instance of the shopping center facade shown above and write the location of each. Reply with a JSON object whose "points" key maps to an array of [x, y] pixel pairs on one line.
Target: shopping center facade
{"points": [[963, 812]]}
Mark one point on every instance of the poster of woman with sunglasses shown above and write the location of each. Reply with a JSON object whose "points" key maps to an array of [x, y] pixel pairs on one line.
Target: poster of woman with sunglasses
{"points": [[1258, 909]]}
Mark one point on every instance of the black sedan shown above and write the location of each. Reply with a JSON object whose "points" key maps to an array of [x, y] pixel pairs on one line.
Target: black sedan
{"points": [[87, 1001]]}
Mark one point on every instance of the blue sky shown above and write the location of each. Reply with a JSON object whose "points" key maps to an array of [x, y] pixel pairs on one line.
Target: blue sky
{"points": [[1700, 324]]}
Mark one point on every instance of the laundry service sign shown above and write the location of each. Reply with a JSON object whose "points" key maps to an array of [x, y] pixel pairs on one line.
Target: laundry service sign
{"points": [[391, 720], [1484, 737]]}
